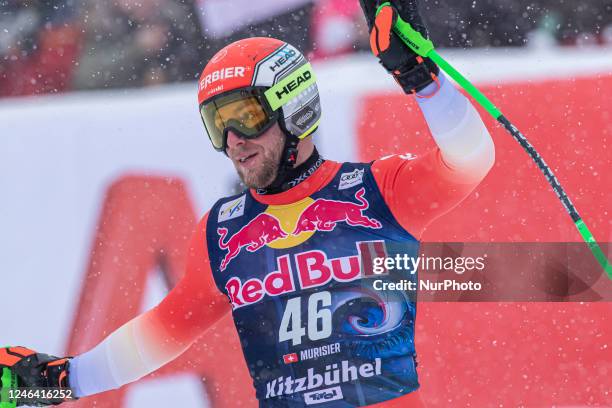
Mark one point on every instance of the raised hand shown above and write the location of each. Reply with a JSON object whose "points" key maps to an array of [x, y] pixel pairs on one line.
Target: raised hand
{"points": [[411, 71]]}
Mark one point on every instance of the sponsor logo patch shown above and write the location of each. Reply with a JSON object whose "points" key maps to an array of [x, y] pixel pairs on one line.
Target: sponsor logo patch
{"points": [[348, 180], [232, 209], [283, 57], [224, 73], [293, 85], [302, 119], [314, 269], [321, 396], [290, 86], [336, 373], [321, 215]]}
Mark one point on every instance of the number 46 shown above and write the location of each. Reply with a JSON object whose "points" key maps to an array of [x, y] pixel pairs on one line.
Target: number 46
{"points": [[293, 317]]}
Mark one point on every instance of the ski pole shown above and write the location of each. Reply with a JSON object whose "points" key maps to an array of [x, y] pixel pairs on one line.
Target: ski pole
{"points": [[8, 380], [425, 48]]}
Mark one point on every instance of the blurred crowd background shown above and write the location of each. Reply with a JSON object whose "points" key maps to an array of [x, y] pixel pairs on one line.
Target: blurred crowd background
{"points": [[49, 46]]}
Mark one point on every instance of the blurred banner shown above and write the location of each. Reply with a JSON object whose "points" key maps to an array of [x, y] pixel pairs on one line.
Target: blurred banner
{"points": [[100, 191], [221, 17]]}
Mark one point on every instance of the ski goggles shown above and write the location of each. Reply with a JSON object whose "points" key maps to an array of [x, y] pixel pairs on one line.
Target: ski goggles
{"points": [[249, 112], [244, 111]]}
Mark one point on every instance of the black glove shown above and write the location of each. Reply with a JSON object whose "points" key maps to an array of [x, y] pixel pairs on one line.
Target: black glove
{"points": [[37, 370], [411, 71]]}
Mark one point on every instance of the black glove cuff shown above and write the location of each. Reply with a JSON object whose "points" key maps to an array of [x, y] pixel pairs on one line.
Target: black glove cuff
{"points": [[57, 373], [44, 371], [416, 77]]}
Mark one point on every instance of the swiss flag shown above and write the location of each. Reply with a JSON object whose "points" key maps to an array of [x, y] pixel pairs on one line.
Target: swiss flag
{"points": [[290, 358]]}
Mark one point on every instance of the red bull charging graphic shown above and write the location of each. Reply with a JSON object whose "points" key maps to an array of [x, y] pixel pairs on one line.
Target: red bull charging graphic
{"points": [[321, 215], [324, 215], [262, 230]]}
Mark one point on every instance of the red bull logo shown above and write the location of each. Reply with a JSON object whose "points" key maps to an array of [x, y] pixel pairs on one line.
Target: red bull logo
{"points": [[314, 269], [324, 215], [321, 215], [260, 231]]}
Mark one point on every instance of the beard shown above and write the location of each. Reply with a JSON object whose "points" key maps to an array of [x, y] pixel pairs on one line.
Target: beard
{"points": [[266, 172]]}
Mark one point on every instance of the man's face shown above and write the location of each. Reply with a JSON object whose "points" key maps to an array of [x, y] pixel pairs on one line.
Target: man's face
{"points": [[256, 160]]}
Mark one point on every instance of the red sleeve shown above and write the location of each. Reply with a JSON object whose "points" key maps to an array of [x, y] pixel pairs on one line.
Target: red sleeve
{"points": [[418, 190], [195, 303]]}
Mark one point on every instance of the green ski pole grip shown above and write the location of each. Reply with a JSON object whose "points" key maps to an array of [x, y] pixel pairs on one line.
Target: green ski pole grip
{"points": [[413, 39], [8, 380]]}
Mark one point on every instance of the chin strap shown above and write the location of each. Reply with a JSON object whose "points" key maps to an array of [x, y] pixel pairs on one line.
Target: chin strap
{"points": [[290, 154], [287, 161], [289, 176]]}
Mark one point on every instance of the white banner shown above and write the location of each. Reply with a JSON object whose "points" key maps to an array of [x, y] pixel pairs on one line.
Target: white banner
{"points": [[221, 17]]}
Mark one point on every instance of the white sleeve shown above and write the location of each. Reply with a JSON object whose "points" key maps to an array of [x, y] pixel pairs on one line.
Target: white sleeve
{"points": [[457, 129]]}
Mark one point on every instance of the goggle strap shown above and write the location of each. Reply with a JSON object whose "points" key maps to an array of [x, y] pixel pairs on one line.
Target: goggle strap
{"points": [[290, 86]]}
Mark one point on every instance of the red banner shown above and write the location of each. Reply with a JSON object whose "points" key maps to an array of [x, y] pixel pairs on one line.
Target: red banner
{"points": [[516, 354]]}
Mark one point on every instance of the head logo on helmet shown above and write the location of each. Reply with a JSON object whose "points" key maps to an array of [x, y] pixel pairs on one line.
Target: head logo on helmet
{"points": [[273, 65], [290, 87], [284, 57]]}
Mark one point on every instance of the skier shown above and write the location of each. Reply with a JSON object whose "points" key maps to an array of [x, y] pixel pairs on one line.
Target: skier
{"points": [[286, 253]]}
